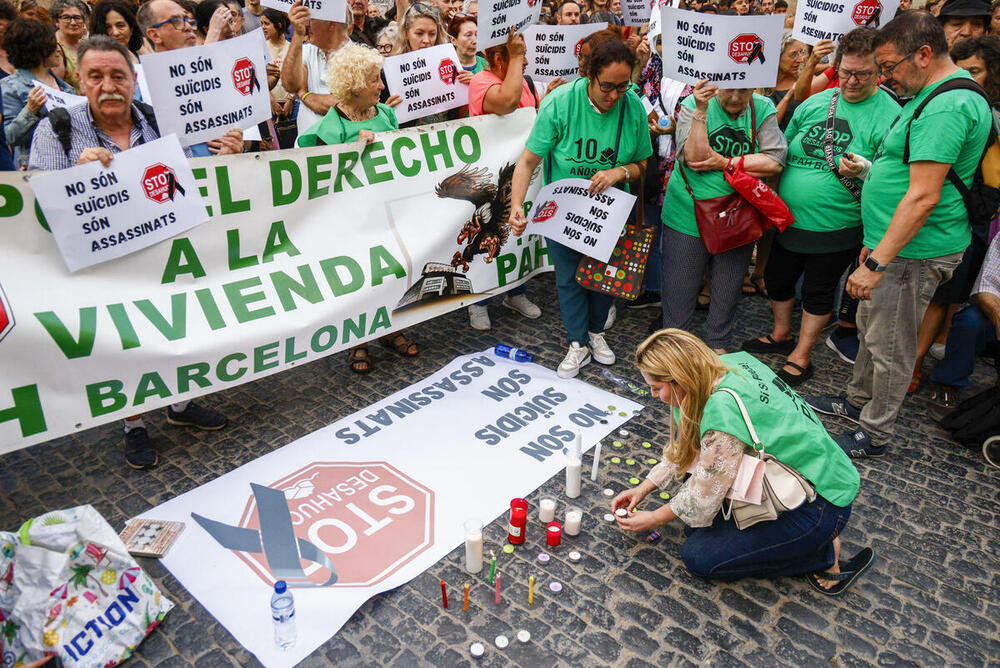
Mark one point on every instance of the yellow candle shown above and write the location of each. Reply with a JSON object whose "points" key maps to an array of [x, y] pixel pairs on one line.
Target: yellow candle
{"points": [[466, 606], [531, 590]]}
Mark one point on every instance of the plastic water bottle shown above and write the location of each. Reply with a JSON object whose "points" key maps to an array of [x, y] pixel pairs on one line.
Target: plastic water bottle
{"points": [[515, 354], [665, 122], [626, 384], [283, 615]]}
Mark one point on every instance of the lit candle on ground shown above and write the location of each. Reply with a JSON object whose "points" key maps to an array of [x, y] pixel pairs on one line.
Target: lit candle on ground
{"points": [[574, 468], [553, 534], [473, 546], [493, 566], [444, 596], [597, 462], [531, 590], [574, 518], [498, 589], [465, 605], [546, 509]]}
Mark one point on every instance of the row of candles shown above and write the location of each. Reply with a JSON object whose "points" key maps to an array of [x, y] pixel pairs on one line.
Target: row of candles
{"points": [[465, 601]]}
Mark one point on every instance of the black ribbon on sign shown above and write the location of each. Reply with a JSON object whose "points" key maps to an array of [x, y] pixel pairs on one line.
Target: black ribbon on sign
{"points": [[850, 184], [757, 53], [874, 18], [173, 185], [276, 539], [253, 78]]}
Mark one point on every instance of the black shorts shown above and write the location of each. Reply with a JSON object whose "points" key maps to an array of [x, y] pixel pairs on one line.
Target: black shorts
{"points": [[822, 272]]}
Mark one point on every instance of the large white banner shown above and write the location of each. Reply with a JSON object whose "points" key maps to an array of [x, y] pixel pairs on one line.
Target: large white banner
{"points": [[554, 51], [816, 20], [498, 17], [729, 51], [427, 80], [307, 253], [201, 92], [370, 502]]}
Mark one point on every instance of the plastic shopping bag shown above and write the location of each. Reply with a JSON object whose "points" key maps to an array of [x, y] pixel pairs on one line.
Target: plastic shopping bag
{"points": [[773, 211]]}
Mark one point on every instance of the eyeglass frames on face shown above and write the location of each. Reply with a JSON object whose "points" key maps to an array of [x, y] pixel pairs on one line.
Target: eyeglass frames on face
{"points": [[887, 72], [71, 19], [177, 22], [607, 86], [860, 77]]}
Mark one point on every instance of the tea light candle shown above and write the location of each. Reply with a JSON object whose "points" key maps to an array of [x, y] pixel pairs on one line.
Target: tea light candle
{"points": [[621, 512], [546, 509], [574, 518], [553, 534], [473, 545]]}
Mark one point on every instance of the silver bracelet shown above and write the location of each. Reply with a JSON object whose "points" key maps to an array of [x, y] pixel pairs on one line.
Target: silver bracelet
{"points": [[703, 119]]}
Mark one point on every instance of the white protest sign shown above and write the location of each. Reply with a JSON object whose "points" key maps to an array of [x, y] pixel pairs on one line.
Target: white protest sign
{"points": [[636, 12], [497, 17], [825, 19], [325, 10], [729, 51], [56, 99], [142, 86], [589, 223], [554, 51], [201, 92], [96, 214], [427, 80]]}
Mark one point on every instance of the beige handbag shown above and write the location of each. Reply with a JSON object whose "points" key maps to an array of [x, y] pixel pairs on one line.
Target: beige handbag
{"points": [[784, 488]]}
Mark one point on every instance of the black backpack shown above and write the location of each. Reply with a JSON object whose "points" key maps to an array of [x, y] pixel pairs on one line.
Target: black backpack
{"points": [[981, 201], [63, 126]]}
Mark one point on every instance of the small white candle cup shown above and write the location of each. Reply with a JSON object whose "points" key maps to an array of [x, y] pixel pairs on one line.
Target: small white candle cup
{"points": [[473, 545], [546, 509], [574, 520]]}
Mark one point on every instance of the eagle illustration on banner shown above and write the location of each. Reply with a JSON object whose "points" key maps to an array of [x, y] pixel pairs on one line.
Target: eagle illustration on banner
{"points": [[487, 230]]}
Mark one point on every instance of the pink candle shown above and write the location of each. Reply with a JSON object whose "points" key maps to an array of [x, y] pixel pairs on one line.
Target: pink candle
{"points": [[498, 589], [553, 534]]}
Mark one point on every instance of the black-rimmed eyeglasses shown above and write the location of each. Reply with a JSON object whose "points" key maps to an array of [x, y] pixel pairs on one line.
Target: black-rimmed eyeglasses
{"points": [[177, 22]]}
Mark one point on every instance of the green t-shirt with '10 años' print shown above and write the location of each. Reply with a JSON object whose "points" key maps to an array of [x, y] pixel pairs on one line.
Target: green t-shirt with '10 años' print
{"points": [[576, 141], [727, 136], [951, 129], [818, 200]]}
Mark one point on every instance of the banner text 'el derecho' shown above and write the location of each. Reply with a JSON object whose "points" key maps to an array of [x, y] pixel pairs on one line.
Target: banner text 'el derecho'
{"points": [[306, 253]]}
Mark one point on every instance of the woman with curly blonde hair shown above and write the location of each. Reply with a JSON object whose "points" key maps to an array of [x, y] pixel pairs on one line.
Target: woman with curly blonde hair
{"points": [[708, 438]]}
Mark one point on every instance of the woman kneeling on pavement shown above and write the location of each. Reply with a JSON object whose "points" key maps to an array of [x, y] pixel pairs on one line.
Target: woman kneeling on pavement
{"points": [[575, 133], [708, 437]]}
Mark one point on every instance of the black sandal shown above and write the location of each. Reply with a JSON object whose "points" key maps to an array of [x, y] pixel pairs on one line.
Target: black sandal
{"points": [[770, 346], [849, 572], [796, 379], [359, 360]]}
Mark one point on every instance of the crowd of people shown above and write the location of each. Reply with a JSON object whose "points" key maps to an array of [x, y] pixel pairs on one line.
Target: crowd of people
{"points": [[869, 142]]}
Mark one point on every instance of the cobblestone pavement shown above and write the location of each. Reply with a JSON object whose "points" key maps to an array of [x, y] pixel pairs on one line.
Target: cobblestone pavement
{"points": [[929, 508]]}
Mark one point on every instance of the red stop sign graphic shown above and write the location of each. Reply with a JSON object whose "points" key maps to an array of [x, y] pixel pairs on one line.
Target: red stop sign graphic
{"points": [[864, 10], [158, 183], [368, 518], [446, 70], [742, 46], [578, 48], [545, 212], [244, 76]]}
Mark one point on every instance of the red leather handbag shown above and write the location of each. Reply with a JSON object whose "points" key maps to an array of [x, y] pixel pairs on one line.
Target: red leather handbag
{"points": [[725, 222]]}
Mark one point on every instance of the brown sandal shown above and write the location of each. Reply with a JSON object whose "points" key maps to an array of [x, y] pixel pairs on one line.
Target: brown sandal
{"points": [[359, 359], [401, 345]]}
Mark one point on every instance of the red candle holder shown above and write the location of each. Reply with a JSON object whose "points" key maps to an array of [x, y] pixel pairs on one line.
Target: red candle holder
{"points": [[518, 520], [553, 534]]}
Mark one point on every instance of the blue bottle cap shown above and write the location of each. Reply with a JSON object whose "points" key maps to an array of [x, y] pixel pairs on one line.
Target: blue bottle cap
{"points": [[280, 587]]}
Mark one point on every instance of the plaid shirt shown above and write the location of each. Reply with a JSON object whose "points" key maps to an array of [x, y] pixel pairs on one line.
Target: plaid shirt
{"points": [[47, 151], [989, 275]]}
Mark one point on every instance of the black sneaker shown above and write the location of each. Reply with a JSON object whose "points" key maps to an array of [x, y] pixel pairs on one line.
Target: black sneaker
{"points": [[139, 451], [857, 444], [197, 416], [645, 300]]}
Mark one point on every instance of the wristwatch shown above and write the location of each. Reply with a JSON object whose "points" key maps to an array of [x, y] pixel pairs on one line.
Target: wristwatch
{"points": [[873, 264]]}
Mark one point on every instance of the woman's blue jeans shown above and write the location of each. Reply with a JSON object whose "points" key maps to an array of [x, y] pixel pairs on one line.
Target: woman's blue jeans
{"points": [[799, 541]]}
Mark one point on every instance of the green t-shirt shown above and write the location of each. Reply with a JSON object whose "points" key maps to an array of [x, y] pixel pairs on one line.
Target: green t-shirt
{"points": [[478, 67], [575, 140], [787, 426], [335, 129], [818, 200], [951, 129], [727, 136]]}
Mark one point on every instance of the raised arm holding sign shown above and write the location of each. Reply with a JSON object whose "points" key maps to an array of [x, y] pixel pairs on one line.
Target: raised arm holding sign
{"points": [[426, 80]]}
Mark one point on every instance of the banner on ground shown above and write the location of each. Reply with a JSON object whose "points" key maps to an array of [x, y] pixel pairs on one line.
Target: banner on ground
{"points": [[201, 92], [97, 214], [56, 99], [729, 51], [816, 20], [426, 80], [589, 223], [554, 51], [498, 17], [307, 252], [370, 502], [325, 10]]}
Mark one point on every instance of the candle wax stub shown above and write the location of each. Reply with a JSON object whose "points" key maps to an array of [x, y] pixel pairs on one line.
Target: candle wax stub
{"points": [[665, 496], [634, 481], [647, 444], [477, 649], [608, 517], [523, 635], [611, 408], [574, 556], [617, 444], [650, 461], [621, 512], [501, 642], [609, 492], [630, 462], [508, 549], [544, 558], [616, 460], [555, 587], [623, 433]]}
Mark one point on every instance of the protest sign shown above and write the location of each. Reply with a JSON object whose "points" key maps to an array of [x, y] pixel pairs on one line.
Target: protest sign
{"points": [[729, 51], [427, 80], [636, 13], [56, 99], [142, 86], [816, 20], [498, 17], [306, 253], [325, 10], [554, 51], [201, 92], [589, 223], [148, 194], [375, 499]]}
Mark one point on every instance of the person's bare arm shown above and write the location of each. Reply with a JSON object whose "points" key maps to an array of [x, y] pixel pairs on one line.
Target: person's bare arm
{"points": [[221, 19], [503, 99], [319, 103], [526, 166], [293, 72], [804, 84], [696, 148], [989, 304]]}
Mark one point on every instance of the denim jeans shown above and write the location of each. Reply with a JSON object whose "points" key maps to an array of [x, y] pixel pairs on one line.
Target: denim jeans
{"points": [[971, 331], [582, 310], [887, 333], [651, 283], [799, 541]]}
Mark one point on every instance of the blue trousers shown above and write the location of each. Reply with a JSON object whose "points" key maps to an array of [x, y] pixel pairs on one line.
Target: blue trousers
{"points": [[971, 331], [799, 541], [582, 310], [651, 283]]}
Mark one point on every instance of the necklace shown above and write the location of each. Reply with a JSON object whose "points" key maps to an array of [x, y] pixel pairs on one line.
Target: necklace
{"points": [[354, 116]]}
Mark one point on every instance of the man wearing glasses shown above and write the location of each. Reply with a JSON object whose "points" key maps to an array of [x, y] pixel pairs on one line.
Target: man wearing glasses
{"points": [[71, 27], [916, 227]]}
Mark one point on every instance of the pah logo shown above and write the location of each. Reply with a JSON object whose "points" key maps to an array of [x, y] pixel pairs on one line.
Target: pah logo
{"points": [[245, 77], [747, 48], [867, 13], [447, 71], [545, 211], [159, 183], [6, 315]]}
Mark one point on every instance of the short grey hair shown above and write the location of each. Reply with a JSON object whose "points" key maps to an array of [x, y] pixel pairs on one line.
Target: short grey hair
{"points": [[59, 5], [103, 43]]}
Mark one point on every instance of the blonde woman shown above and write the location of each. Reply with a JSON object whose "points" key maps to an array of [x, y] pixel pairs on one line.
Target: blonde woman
{"points": [[709, 440]]}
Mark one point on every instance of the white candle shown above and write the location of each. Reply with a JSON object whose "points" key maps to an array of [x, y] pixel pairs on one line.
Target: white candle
{"points": [[597, 461], [473, 546], [574, 518], [574, 469], [547, 510]]}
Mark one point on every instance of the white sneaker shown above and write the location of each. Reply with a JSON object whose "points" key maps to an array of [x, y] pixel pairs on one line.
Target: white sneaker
{"points": [[578, 356], [612, 314], [937, 351], [600, 350], [479, 317], [522, 305]]}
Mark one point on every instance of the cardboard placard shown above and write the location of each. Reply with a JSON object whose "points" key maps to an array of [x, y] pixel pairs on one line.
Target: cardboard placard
{"points": [[636, 12], [554, 51], [497, 17], [56, 99], [817, 20], [589, 223], [427, 80], [325, 10]]}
